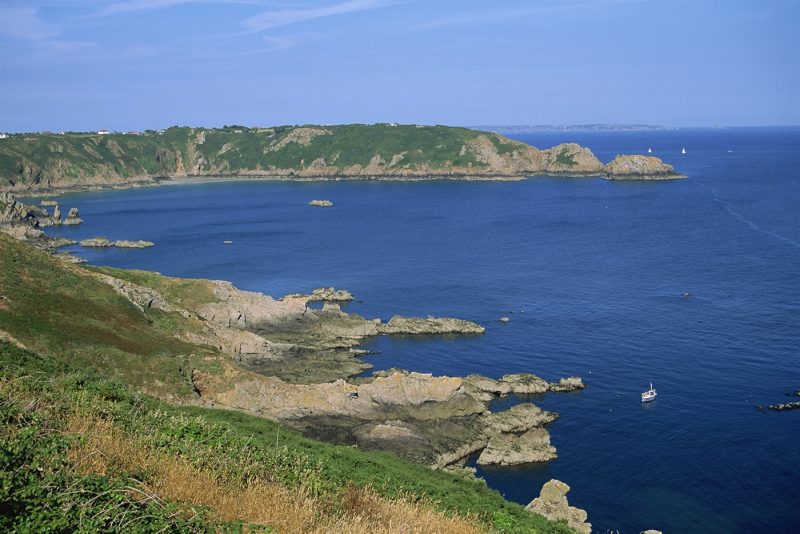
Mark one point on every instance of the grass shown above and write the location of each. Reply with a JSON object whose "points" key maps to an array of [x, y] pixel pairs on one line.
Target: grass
{"points": [[79, 452], [53, 307], [565, 158]]}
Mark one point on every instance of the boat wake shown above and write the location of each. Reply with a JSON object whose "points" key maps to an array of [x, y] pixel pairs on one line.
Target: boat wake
{"points": [[738, 216]]}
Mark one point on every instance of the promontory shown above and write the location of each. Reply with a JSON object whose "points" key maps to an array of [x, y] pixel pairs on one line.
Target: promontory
{"points": [[42, 162]]}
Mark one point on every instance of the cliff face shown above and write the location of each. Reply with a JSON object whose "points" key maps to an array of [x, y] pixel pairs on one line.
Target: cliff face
{"points": [[42, 162]]}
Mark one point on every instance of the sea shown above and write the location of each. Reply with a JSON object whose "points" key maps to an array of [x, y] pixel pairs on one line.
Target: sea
{"points": [[693, 285]]}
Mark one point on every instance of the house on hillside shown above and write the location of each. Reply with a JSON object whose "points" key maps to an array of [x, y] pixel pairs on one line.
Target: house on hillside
{"points": [[103, 132]]}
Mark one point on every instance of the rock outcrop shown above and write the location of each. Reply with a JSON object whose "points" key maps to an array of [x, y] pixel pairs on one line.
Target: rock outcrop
{"points": [[571, 159], [330, 294], [23, 221], [638, 167], [509, 449], [321, 203], [290, 363], [430, 325], [73, 217], [785, 406], [552, 504], [530, 384], [96, 242], [133, 244]]}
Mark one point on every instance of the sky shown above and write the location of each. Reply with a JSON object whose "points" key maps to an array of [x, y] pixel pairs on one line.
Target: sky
{"points": [[138, 64]]}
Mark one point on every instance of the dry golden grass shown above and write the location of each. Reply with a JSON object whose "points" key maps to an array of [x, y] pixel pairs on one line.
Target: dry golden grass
{"points": [[106, 450]]}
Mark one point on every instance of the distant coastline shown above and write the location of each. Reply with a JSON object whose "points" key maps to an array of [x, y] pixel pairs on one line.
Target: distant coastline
{"points": [[507, 129], [70, 161]]}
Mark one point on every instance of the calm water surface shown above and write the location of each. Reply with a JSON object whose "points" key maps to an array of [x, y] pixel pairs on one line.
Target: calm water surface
{"points": [[592, 274]]}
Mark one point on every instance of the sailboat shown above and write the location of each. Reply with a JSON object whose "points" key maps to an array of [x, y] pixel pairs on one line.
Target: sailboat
{"points": [[650, 394], [683, 151], [649, 150]]}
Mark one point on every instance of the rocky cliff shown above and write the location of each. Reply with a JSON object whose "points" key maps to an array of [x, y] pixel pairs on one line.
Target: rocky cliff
{"points": [[47, 162]]}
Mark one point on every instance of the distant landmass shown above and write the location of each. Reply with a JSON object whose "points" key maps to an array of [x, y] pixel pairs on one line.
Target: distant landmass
{"points": [[81, 160], [522, 129]]}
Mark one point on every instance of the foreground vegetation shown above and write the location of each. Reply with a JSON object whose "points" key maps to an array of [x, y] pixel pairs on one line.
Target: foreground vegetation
{"points": [[79, 452], [83, 449]]}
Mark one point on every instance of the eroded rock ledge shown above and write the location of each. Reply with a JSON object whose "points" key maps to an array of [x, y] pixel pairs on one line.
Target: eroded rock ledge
{"points": [[295, 364]]}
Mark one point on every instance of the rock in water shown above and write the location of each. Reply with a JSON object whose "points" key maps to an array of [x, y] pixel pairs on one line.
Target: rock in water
{"points": [[504, 319], [552, 504], [321, 203], [329, 293], [48, 203], [73, 217], [56, 215], [637, 167], [508, 449], [133, 244], [97, 242], [784, 407], [430, 325]]}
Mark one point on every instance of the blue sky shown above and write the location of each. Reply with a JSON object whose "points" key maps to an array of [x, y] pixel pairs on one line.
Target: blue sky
{"points": [[136, 64]]}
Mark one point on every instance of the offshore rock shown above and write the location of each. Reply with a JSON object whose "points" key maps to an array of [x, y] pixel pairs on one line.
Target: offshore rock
{"points": [[73, 217], [329, 293], [638, 167], [785, 406], [572, 383], [56, 215], [321, 203], [530, 384], [133, 244], [430, 325], [552, 504], [47, 202], [97, 242]]}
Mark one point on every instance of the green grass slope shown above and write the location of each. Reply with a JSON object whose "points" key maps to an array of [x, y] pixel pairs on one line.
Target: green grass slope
{"points": [[41, 161], [54, 307]]}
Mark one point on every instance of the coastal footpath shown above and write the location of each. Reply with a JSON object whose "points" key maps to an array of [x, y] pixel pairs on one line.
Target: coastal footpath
{"points": [[49, 162]]}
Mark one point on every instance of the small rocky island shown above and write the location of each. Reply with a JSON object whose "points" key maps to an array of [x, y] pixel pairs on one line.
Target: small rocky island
{"points": [[638, 167]]}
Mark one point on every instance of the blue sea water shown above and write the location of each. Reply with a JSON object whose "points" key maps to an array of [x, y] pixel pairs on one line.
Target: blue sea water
{"points": [[592, 274]]}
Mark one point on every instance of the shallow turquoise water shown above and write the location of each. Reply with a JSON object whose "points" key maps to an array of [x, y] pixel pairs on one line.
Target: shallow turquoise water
{"points": [[592, 274]]}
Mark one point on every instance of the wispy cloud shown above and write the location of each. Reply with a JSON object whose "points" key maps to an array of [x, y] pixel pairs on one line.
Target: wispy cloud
{"points": [[128, 6], [25, 24], [494, 15], [283, 17]]}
